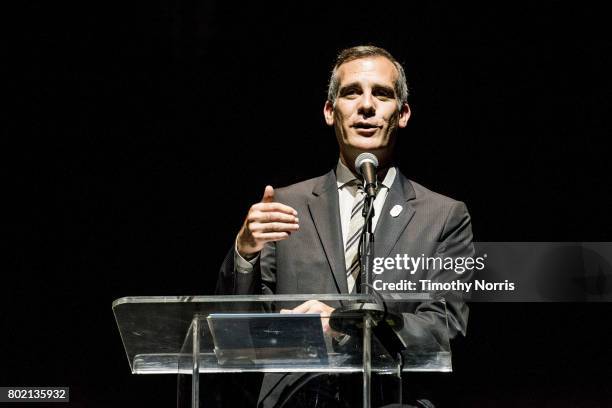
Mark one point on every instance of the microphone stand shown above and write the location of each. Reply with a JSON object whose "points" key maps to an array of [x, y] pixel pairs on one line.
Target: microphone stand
{"points": [[372, 312], [367, 244], [362, 316]]}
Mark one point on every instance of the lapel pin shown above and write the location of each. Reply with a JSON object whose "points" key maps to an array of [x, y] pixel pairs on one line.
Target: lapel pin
{"points": [[396, 210]]}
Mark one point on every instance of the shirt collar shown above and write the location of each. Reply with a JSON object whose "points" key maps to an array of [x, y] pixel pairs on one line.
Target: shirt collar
{"points": [[345, 176]]}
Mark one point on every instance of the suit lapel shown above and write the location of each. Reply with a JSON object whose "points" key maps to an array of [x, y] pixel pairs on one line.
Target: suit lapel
{"points": [[325, 213], [389, 229]]}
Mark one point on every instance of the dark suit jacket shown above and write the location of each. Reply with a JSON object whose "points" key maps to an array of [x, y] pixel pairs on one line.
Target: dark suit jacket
{"points": [[311, 260]]}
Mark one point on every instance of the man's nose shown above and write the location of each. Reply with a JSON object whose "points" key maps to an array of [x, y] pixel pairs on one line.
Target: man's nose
{"points": [[366, 105]]}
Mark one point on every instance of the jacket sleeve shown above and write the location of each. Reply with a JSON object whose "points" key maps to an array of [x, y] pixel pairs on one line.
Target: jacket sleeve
{"points": [[261, 280]]}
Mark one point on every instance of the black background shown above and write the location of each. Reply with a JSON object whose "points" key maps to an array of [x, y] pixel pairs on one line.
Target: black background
{"points": [[138, 135]]}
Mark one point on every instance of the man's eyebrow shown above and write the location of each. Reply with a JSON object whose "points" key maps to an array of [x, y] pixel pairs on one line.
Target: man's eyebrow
{"points": [[350, 86], [388, 90]]}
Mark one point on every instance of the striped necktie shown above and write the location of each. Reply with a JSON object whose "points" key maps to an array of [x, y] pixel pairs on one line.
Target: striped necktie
{"points": [[351, 248]]}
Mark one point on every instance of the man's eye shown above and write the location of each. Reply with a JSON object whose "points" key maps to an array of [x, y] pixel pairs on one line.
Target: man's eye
{"points": [[384, 95], [351, 92]]}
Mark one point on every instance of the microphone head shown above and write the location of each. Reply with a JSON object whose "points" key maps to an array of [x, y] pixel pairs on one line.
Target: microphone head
{"points": [[364, 158]]}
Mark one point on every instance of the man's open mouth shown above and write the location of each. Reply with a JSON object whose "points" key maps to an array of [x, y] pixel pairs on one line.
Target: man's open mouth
{"points": [[365, 129], [362, 125]]}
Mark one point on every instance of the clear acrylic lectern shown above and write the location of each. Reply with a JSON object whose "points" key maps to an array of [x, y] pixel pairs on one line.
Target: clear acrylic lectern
{"points": [[195, 335]]}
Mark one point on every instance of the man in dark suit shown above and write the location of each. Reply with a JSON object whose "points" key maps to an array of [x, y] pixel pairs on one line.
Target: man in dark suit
{"points": [[297, 239]]}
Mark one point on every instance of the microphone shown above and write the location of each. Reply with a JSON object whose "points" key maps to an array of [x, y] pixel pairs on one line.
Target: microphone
{"points": [[366, 164]]}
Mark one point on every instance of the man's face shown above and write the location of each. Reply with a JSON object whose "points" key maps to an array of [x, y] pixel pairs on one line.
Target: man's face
{"points": [[366, 115]]}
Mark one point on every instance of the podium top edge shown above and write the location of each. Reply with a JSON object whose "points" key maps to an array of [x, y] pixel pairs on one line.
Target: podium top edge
{"points": [[266, 298]]}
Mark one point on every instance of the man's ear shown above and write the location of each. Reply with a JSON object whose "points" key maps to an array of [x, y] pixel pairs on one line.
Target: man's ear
{"points": [[328, 113], [404, 115]]}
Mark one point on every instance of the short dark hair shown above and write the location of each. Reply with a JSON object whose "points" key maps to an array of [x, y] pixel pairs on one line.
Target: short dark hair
{"points": [[367, 51]]}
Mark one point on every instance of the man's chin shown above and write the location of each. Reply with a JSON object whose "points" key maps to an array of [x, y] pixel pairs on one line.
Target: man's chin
{"points": [[367, 147]]}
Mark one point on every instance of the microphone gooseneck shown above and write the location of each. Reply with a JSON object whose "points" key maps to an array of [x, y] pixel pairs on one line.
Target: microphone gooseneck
{"points": [[366, 165]]}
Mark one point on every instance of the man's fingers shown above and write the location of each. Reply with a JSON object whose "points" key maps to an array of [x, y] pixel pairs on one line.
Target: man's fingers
{"points": [[305, 307], [314, 306], [268, 206], [273, 227], [259, 216], [270, 236], [268, 196], [325, 324], [314, 309]]}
